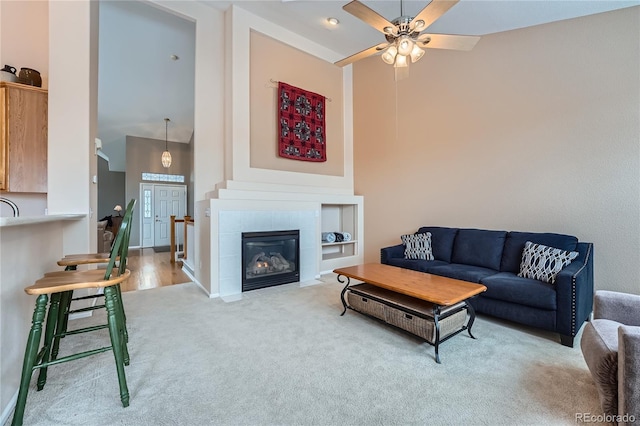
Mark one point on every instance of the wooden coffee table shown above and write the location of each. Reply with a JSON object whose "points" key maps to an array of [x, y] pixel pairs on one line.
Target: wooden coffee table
{"points": [[395, 291]]}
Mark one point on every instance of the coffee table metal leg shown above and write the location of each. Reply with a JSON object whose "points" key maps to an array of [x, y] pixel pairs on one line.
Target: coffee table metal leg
{"points": [[472, 317], [344, 290], [436, 325]]}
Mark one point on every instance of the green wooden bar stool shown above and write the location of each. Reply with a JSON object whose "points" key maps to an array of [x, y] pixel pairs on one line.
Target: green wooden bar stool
{"points": [[60, 285], [72, 261]]}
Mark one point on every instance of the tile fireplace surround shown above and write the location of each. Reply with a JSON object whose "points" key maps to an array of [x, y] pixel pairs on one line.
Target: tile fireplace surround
{"points": [[231, 225], [240, 207]]}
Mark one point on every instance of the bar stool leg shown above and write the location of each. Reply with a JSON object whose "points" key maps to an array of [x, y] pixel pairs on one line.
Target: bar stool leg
{"points": [[111, 303], [66, 317], [52, 320], [121, 325], [124, 316], [30, 356], [61, 327], [65, 307]]}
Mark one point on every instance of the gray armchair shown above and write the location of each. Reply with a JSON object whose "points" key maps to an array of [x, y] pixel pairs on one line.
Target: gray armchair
{"points": [[611, 348], [105, 238]]}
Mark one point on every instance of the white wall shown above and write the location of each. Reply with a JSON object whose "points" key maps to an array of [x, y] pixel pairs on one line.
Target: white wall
{"points": [[534, 130], [72, 117], [239, 24], [26, 253], [208, 145], [18, 18], [72, 47], [30, 251], [25, 46]]}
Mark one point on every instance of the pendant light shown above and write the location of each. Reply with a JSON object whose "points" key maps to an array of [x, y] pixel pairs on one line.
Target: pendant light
{"points": [[166, 155]]}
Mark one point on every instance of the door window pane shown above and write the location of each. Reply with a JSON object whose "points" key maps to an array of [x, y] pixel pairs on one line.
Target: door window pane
{"points": [[147, 203]]}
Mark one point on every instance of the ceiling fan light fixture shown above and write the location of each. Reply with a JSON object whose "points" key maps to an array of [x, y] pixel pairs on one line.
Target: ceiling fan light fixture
{"points": [[404, 33], [401, 61], [416, 53], [405, 45], [419, 25], [389, 55]]}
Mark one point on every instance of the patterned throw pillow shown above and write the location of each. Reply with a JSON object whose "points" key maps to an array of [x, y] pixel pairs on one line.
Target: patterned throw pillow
{"points": [[543, 263], [417, 246]]}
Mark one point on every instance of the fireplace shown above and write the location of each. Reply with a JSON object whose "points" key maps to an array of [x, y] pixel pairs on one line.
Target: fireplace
{"points": [[270, 258]]}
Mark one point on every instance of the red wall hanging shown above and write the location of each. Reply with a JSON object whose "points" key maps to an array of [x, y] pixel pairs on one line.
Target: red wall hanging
{"points": [[301, 124]]}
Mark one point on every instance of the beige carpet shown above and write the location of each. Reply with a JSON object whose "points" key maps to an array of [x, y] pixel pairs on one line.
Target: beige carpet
{"points": [[284, 356]]}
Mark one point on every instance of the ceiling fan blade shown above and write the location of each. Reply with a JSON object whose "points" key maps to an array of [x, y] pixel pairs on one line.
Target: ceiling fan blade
{"points": [[361, 55], [448, 41], [432, 12], [368, 15]]}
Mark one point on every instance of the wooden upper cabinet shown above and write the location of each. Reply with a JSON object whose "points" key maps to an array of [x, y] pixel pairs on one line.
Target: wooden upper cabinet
{"points": [[23, 138]]}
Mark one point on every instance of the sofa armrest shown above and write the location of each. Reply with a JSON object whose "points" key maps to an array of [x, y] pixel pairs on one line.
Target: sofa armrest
{"points": [[629, 372], [619, 307], [574, 292], [387, 253]]}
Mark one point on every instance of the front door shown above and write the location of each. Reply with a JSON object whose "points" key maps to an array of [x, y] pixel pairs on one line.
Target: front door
{"points": [[168, 200]]}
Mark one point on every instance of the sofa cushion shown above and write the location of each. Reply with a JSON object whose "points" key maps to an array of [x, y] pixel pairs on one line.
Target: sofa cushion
{"points": [[417, 246], [543, 263], [599, 344], [479, 247], [441, 241], [514, 245], [511, 288], [461, 272], [416, 265]]}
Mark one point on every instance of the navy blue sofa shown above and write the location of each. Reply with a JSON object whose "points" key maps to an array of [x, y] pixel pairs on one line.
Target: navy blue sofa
{"points": [[492, 258]]}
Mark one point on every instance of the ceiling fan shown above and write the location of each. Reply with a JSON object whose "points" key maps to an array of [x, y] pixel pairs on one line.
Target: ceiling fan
{"points": [[403, 34]]}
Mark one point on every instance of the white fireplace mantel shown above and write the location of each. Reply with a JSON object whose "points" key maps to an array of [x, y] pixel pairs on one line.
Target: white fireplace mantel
{"points": [[232, 215]]}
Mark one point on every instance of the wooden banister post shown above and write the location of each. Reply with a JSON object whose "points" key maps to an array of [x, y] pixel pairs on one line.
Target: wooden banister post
{"points": [[187, 219], [173, 239]]}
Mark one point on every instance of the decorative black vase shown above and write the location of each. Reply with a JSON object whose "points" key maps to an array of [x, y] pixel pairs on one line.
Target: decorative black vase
{"points": [[29, 76]]}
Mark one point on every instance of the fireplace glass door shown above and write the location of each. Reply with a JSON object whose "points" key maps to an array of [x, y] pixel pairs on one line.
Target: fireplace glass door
{"points": [[270, 258]]}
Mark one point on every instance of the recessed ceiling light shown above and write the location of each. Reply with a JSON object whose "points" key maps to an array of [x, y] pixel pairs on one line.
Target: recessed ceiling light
{"points": [[333, 21], [174, 57]]}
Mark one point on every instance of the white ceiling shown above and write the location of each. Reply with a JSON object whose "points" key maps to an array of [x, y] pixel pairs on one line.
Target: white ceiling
{"points": [[139, 84], [468, 17]]}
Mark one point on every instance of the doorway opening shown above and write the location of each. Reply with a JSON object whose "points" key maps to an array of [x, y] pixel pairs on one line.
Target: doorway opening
{"points": [[159, 203]]}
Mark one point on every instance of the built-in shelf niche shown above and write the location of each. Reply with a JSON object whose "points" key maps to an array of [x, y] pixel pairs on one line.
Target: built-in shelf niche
{"points": [[340, 218]]}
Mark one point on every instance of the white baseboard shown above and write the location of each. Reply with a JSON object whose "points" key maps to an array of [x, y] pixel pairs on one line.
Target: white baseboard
{"points": [[232, 298], [189, 273], [310, 283], [8, 410]]}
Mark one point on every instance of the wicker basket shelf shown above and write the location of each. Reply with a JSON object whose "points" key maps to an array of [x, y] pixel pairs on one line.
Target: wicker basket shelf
{"points": [[407, 313]]}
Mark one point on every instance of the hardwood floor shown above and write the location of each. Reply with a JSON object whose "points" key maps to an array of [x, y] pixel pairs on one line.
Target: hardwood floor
{"points": [[151, 270]]}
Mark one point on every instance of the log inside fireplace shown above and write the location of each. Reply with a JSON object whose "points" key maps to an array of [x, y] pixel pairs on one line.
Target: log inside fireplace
{"points": [[270, 258]]}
